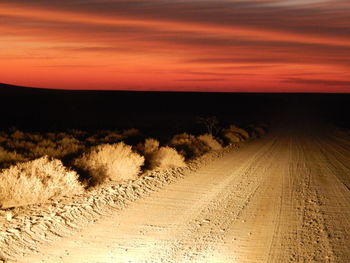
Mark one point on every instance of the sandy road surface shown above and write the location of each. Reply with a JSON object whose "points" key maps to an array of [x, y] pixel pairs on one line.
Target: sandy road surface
{"points": [[283, 198]]}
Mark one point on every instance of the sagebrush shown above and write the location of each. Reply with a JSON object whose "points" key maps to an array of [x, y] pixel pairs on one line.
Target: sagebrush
{"points": [[160, 157], [113, 162], [37, 181], [166, 158], [188, 145], [210, 141]]}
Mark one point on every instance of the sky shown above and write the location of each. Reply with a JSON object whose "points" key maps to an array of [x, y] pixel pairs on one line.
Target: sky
{"points": [[213, 45]]}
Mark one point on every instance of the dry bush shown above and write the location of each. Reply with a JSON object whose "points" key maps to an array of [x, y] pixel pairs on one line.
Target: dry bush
{"points": [[260, 131], [209, 140], [103, 137], [32, 145], [166, 158], [3, 137], [188, 145], [112, 137], [148, 147], [57, 149], [131, 132], [159, 158], [10, 157], [234, 134], [257, 131], [37, 181], [231, 137], [240, 131], [18, 135], [115, 162], [35, 137]]}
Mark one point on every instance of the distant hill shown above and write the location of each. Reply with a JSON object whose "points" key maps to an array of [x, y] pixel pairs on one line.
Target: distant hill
{"points": [[7, 89], [37, 108]]}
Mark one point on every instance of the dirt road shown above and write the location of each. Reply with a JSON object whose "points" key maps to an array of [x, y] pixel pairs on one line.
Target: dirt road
{"points": [[283, 198]]}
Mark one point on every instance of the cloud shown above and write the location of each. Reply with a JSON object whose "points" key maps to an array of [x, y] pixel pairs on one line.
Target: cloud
{"points": [[324, 82], [293, 16], [201, 80], [188, 40], [215, 74]]}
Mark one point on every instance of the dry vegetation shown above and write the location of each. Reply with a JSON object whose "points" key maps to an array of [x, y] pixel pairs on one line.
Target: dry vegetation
{"points": [[113, 162], [189, 145], [37, 167], [160, 157], [210, 141], [37, 181]]}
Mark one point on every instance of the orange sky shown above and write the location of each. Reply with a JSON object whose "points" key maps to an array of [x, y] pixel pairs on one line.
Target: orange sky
{"points": [[217, 45]]}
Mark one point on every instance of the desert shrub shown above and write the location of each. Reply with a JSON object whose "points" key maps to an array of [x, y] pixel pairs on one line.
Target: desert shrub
{"points": [[188, 145], [234, 134], [103, 137], [32, 145], [234, 129], [159, 158], [37, 181], [231, 137], [260, 131], [114, 162], [112, 137], [3, 137], [166, 158], [210, 141], [257, 130], [58, 149], [35, 137], [19, 145], [131, 132], [9, 157], [148, 147], [18, 135]]}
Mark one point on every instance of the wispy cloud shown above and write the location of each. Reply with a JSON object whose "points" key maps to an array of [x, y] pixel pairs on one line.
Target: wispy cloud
{"points": [[324, 82], [201, 80], [214, 41]]}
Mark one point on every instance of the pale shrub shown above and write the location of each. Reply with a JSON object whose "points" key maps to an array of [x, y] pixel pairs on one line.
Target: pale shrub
{"points": [[188, 145], [37, 181], [160, 158], [209, 140], [166, 158], [114, 162]]}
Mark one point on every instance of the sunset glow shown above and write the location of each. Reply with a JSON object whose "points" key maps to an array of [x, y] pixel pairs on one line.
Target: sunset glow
{"points": [[245, 46]]}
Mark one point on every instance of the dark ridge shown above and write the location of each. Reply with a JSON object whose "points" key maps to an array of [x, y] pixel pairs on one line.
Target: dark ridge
{"points": [[37, 109]]}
